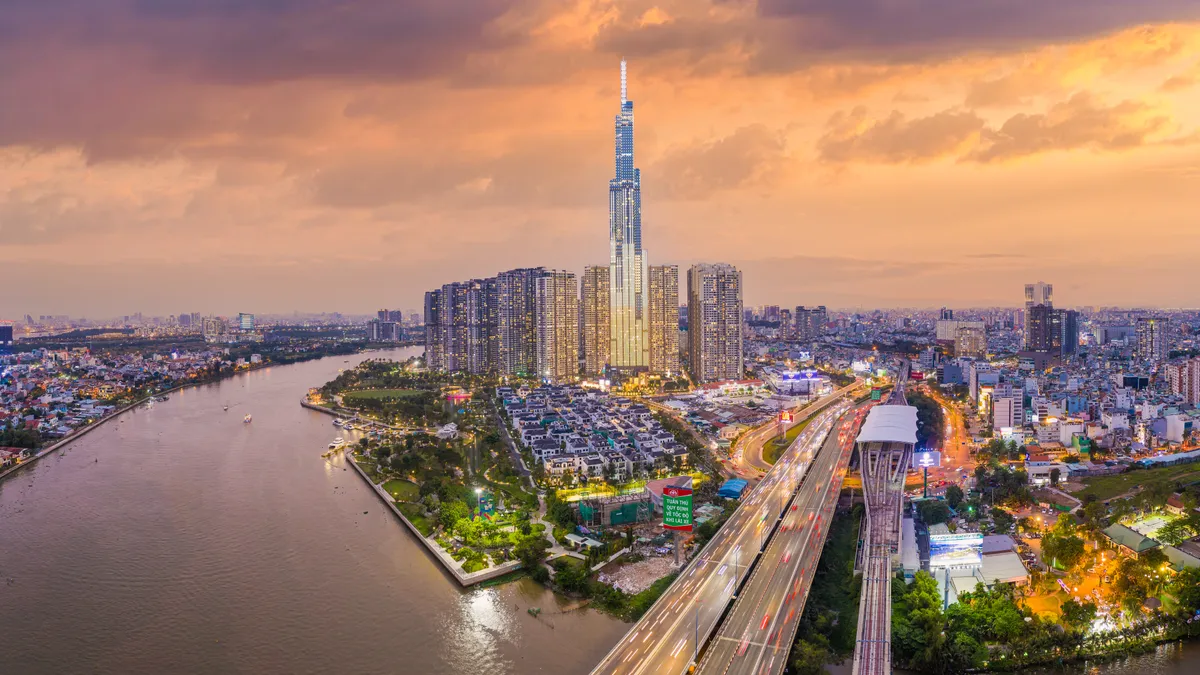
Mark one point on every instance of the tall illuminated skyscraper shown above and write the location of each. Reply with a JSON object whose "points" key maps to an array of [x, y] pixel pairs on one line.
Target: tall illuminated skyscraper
{"points": [[664, 319], [597, 325], [715, 322], [627, 270]]}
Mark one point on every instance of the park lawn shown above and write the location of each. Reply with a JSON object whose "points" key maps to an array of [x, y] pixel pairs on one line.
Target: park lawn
{"points": [[416, 516], [382, 393], [370, 467], [402, 490], [1107, 487]]}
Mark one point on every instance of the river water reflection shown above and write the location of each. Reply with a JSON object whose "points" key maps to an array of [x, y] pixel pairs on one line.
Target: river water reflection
{"points": [[179, 539]]}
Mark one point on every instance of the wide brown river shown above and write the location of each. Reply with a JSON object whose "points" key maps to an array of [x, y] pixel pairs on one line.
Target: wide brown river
{"points": [[179, 539]]}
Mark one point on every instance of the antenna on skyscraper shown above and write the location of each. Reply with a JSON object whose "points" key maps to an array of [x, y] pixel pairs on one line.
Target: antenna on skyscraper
{"points": [[624, 94]]}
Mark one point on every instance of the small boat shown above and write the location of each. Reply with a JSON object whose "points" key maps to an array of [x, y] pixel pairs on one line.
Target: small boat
{"points": [[339, 441], [334, 445], [247, 419], [226, 408]]}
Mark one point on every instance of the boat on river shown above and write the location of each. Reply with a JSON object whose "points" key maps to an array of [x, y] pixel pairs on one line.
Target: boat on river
{"points": [[247, 419]]}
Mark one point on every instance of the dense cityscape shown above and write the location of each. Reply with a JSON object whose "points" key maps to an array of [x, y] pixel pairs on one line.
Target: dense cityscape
{"points": [[321, 349], [1019, 485]]}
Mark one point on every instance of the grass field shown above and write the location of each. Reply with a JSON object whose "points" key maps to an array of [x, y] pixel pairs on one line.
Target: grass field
{"points": [[382, 393], [414, 513], [1107, 487], [402, 490]]}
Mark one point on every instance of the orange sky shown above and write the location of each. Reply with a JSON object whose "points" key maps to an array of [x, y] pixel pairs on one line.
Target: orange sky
{"points": [[271, 155]]}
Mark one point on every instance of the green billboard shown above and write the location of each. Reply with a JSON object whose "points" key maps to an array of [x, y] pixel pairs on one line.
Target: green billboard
{"points": [[677, 508]]}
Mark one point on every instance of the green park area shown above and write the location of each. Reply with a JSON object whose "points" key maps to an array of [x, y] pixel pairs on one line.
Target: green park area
{"points": [[382, 394], [403, 490], [1105, 488]]}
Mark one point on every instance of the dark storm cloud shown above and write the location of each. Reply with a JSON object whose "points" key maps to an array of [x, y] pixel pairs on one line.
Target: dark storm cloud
{"points": [[929, 26], [250, 41]]}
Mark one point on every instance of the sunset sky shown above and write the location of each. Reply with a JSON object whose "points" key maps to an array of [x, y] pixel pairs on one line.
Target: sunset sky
{"points": [[345, 155]]}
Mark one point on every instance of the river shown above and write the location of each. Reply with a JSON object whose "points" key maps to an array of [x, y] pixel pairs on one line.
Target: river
{"points": [[178, 539]]}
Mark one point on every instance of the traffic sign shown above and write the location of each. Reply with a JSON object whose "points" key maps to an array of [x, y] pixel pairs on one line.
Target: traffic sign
{"points": [[677, 508]]}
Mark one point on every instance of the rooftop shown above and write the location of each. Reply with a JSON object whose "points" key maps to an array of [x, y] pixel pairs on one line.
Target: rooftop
{"points": [[890, 424]]}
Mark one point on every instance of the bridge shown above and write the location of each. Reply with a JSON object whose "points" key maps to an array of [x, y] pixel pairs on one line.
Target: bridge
{"points": [[756, 636], [668, 638], [885, 450]]}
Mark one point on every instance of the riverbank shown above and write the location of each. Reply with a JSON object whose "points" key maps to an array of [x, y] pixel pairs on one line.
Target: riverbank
{"points": [[191, 514], [439, 554], [80, 432]]}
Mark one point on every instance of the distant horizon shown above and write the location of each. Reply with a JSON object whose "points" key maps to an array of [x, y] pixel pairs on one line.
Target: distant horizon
{"points": [[852, 155], [372, 313]]}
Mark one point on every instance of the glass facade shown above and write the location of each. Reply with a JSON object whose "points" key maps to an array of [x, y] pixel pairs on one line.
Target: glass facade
{"points": [[627, 270]]}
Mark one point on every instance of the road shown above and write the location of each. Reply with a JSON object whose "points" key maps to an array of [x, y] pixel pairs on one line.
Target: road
{"points": [[749, 450], [956, 445], [665, 639], [756, 637]]}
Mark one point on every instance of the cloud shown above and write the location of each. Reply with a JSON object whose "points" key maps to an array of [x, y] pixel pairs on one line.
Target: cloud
{"points": [[917, 28], [851, 137], [1184, 80], [256, 41], [543, 171], [1079, 122], [751, 155]]}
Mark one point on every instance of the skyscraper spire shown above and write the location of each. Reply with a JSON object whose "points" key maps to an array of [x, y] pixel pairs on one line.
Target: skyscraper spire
{"points": [[624, 91], [628, 272]]}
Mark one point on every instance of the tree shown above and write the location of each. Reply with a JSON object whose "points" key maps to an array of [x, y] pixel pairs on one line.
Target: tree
{"points": [[1186, 588], [1078, 616], [1003, 520], [954, 496], [810, 655], [452, 512], [1054, 474], [531, 550], [572, 577], [1061, 546], [934, 512]]}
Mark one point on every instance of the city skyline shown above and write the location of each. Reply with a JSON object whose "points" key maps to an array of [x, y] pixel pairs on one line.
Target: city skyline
{"points": [[876, 162]]}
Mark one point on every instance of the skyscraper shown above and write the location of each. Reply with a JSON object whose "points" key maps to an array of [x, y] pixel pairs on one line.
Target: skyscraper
{"points": [[1152, 338], [1040, 327], [715, 322], [1039, 293], [810, 321], [435, 348], [1070, 331], [664, 319], [516, 292], [596, 323], [970, 340], [557, 319], [627, 273]]}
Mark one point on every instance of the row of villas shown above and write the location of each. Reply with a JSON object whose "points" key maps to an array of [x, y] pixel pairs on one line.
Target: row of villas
{"points": [[574, 430]]}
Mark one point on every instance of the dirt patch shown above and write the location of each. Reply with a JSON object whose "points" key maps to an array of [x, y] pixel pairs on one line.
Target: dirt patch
{"points": [[636, 577]]}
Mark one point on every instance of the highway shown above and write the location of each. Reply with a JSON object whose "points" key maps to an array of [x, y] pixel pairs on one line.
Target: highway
{"points": [[748, 452], [666, 639], [756, 637]]}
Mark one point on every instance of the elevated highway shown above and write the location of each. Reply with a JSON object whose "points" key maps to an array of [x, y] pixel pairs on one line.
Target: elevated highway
{"points": [[756, 637], [669, 636]]}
